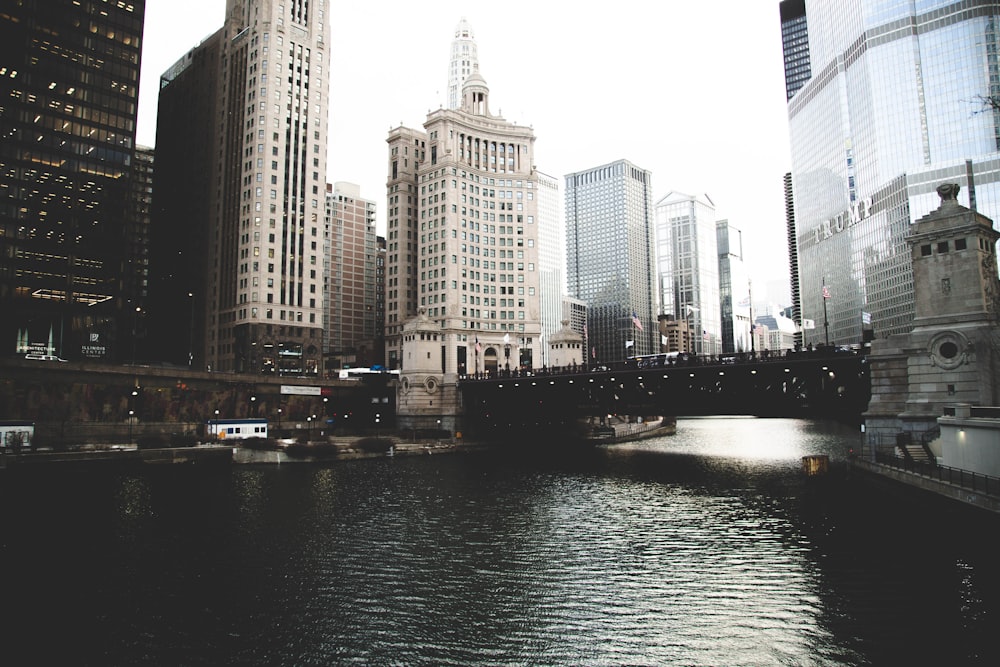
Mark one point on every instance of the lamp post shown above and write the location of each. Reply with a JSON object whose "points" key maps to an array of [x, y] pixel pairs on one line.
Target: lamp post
{"points": [[191, 333], [826, 319], [135, 328], [131, 413], [326, 414], [253, 406], [309, 428], [439, 431], [279, 422], [215, 427], [377, 419]]}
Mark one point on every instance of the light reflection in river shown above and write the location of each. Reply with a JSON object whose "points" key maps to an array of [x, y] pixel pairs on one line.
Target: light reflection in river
{"points": [[707, 547]]}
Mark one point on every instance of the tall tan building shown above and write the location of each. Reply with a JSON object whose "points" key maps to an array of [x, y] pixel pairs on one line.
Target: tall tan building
{"points": [[462, 243], [261, 298]]}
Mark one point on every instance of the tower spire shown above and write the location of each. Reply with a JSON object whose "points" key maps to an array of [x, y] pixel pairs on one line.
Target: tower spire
{"points": [[464, 59]]}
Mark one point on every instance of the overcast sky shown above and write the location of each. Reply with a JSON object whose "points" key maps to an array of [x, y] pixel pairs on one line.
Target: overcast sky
{"points": [[692, 91]]}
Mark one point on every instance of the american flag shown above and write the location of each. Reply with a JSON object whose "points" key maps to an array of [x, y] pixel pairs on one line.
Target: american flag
{"points": [[636, 322], [478, 346], [826, 292]]}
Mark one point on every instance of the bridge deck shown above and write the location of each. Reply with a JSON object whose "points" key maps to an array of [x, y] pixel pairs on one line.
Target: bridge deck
{"points": [[833, 383]]}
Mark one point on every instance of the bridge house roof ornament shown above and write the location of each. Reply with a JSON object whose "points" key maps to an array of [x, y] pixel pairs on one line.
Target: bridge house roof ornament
{"points": [[948, 193]]}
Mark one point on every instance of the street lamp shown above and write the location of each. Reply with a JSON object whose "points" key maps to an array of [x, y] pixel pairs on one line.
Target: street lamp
{"points": [[377, 419], [326, 414], [135, 328], [215, 427], [191, 333], [253, 406], [279, 422], [131, 412]]}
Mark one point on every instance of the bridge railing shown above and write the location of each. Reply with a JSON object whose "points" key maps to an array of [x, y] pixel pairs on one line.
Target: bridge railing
{"points": [[686, 361]]}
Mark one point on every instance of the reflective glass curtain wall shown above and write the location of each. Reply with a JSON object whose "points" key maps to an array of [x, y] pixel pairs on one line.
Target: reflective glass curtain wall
{"points": [[892, 111]]}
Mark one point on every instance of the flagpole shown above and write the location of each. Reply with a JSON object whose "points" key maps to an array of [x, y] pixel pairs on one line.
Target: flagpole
{"points": [[753, 331]]}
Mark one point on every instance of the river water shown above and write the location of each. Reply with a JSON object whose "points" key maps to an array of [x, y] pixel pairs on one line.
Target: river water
{"points": [[708, 547]]}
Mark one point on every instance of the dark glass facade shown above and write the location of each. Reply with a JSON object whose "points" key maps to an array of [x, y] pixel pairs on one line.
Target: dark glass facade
{"points": [[69, 85], [734, 290], [136, 267], [795, 45], [184, 201]]}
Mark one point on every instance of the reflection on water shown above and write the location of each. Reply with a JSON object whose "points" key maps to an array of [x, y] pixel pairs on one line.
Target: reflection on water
{"points": [[708, 547]]}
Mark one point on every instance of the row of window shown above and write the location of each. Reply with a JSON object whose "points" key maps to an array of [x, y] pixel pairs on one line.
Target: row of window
{"points": [[943, 247]]}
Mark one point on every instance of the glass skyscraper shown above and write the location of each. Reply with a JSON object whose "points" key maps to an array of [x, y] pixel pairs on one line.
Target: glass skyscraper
{"points": [[610, 258], [688, 268], [795, 45], [551, 260], [69, 81], [892, 109], [734, 290]]}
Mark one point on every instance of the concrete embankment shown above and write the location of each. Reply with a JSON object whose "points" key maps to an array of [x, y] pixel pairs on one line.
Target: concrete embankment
{"points": [[347, 450], [189, 455], [927, 484], [331, 449]]}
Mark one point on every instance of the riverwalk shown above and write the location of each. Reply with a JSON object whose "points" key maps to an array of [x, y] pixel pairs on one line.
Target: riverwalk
{"points": [[979, 491]]}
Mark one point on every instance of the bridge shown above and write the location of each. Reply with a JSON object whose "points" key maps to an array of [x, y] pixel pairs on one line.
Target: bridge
{"points": [[830, 383], [60, 397]]}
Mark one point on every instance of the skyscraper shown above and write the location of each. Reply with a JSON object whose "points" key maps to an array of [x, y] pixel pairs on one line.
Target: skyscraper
{"points": [[734, 290], [610, 261], [185, 194], [794, 45], [795, 310], [894, 108], [551, 259], [464, 60], [462, 244], [69, 81], [261, 299], [135, 278], [688, 267], [349, 288]]}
